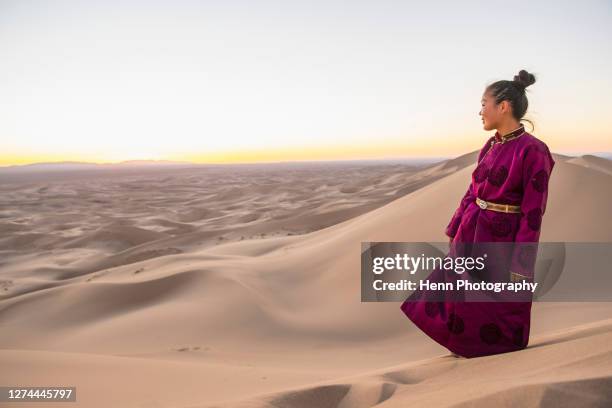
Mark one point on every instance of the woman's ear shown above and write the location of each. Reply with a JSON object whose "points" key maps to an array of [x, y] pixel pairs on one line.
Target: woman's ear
{"points": [[504, 106]]}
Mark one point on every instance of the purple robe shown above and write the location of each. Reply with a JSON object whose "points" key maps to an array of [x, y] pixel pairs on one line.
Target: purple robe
{"points": [[515, 172]]}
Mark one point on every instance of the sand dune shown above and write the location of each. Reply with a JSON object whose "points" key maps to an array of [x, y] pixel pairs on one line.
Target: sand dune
{"points": [[246, 292], [593, 162], [565, 368]]}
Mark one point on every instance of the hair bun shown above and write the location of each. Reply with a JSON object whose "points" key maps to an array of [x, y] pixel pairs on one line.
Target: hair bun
{"points": [[524, 78]]}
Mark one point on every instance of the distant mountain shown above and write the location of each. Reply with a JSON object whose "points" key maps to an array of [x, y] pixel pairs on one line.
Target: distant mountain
{"points": [[128, 164], [605, 155], [432, 162], [153, 162], [594, 162], [75, 165]]}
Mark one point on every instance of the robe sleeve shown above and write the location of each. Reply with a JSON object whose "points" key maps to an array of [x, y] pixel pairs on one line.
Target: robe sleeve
{"points": [[453, 225], [537, 167], [470, 195]]}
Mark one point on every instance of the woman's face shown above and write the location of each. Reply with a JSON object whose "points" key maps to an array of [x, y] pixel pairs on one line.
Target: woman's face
{"points": [[490, 113]]}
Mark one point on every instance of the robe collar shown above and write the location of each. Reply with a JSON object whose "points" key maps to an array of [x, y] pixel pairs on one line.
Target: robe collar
{"points": [[511, 135]]}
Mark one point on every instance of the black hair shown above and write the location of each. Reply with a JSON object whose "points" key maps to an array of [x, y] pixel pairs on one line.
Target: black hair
{"points": [[514, 92]]}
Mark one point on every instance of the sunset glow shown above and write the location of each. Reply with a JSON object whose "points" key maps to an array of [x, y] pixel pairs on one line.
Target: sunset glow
{"points": [[278, 81]]}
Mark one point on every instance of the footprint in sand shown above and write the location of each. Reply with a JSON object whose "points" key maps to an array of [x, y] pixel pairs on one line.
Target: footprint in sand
{"points": [[6, 284], [195, 348]]}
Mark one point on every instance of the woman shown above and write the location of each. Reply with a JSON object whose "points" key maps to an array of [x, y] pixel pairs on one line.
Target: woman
{"points": [[504, 202]]}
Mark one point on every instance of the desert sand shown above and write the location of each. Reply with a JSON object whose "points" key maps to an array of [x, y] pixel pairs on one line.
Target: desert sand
{"points": [[239, 286]]}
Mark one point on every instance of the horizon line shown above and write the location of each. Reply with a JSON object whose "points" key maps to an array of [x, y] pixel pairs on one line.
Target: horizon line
{"points": [[183, 162]]}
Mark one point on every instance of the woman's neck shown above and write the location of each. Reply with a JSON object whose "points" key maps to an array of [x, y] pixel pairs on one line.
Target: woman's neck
{"points": [[508, 127]]}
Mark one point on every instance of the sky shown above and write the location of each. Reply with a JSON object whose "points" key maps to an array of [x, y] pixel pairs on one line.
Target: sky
{"points": [[259, 81]]}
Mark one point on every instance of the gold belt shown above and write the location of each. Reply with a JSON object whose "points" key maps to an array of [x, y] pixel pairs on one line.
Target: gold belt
{"points": [[507, 208]]}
